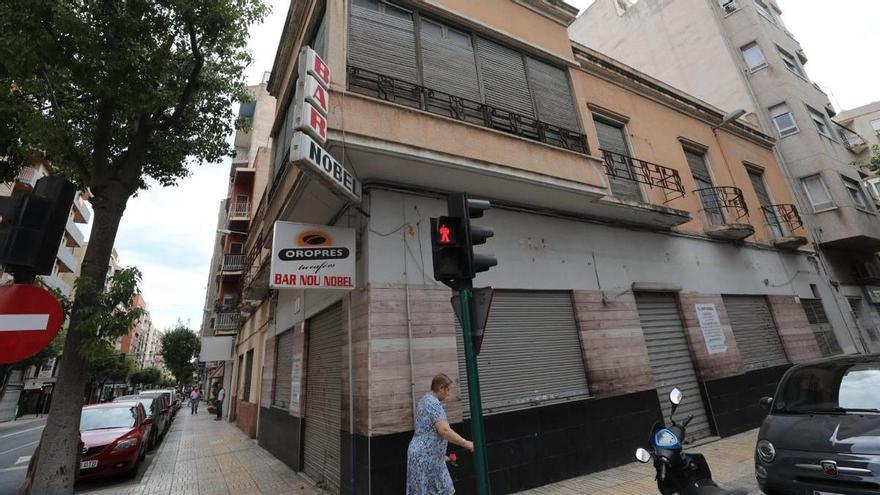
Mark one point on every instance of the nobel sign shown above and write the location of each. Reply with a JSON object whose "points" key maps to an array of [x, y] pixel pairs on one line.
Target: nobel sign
{"points": [[308, 256], [306, 152]]}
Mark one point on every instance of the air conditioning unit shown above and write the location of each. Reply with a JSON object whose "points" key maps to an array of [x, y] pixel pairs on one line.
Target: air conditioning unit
{"points": [[728, 5]]}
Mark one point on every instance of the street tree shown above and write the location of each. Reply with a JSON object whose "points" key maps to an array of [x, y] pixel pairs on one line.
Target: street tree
{"points": [[179, 347], [114, 94], [872, 163], [146, 376]]}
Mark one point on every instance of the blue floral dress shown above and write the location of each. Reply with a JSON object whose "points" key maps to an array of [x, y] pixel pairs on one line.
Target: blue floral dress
{"points": [[426, 472]]}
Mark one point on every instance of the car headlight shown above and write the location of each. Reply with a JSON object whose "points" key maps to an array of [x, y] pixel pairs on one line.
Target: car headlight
{"points": [[766, 451], [125, 444]]}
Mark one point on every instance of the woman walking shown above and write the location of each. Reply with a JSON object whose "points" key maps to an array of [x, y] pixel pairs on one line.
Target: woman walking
{"points": [[426, 472]]}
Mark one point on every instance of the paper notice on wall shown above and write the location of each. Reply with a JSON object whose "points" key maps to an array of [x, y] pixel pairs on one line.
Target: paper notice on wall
{"points": [[710, 324]]}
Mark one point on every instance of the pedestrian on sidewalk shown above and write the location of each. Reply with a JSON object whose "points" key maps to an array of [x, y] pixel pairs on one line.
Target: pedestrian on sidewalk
{"points": [[218, 403], [426, 471], [194, 397]]}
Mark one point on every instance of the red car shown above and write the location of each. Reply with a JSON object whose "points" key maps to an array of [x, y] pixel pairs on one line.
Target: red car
{"points": [[115, 438]]}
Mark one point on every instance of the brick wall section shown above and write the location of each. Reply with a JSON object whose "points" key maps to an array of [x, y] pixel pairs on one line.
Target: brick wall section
{"points": [[709, 366], [246, 418], [613, 344], [360, 313], [268, 373], [432, 323], [794, 329]]}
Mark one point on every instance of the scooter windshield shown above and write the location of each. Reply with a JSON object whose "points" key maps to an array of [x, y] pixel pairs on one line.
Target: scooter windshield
{"points": [[665, 439]]}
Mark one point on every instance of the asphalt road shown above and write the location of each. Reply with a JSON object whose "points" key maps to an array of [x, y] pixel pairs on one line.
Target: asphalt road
{"points": [[18, 440]]}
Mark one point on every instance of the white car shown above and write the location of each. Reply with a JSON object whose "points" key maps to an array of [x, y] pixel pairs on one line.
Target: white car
{"points": [[173, 396]]}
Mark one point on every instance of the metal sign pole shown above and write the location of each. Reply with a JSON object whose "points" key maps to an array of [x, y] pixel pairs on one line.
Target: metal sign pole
{"points": [[481, 464]]}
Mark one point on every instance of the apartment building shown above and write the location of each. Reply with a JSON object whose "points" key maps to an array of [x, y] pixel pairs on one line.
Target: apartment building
{"points": [[231, 330], [860, 131], [738, 54], [643, 242]]}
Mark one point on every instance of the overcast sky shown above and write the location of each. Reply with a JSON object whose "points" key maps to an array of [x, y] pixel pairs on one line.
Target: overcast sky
{"points": [[168, 233]]}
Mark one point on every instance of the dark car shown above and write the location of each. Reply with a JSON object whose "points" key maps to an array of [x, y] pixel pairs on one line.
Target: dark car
{"points": [[114, 437], [154, 405], [170, 394], [822, 436], [165, 406]]}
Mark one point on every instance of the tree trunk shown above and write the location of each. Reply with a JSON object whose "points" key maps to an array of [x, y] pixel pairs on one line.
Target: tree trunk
{"points": [[56, 463]]}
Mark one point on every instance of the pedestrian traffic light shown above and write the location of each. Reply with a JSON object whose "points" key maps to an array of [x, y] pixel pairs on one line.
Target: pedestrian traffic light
{"points": [[32, 225], [453, 238]]}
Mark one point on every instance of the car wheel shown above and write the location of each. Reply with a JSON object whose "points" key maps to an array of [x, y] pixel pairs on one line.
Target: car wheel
{"points": [[134, 470]]}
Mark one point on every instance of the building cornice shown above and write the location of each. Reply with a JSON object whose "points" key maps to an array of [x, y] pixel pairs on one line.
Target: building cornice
{"points": [[555, 10]]}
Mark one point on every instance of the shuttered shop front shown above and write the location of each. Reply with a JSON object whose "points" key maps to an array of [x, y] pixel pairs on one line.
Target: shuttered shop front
{"points": [[670, 358], [531, 353], [283, 370], [755, 331], [321, 457]]}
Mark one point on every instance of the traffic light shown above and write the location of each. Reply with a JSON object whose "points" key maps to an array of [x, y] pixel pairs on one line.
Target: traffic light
{"points": [[32, 225], [453, 238]]}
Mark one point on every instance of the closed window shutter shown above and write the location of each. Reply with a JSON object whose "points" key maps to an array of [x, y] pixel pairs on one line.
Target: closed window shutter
{"points": [[697, 164], [531, 353], [283, 370], [552, 93], [623, 182], [505, 85], [448, 63], [382, 39]]}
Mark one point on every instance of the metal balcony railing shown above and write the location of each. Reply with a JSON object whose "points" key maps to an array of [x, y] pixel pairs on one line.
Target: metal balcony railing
{"points": [[227, 321], [431, 100], [28, 176], [720, 199], [643, 172], [783, 215], [241, 155], [853, 142], [240, 209], [232, 263]]}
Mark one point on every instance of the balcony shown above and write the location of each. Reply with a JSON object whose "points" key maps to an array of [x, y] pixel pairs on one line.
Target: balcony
{"points": [[239, 211], [397, 91], [853, 142], [73, 236], [27, 178], [81, 212], [783, 220], [55, 282], [725, 207], [240, 158], [232, 264], [226, 323], [867, 273], [67, 262]]}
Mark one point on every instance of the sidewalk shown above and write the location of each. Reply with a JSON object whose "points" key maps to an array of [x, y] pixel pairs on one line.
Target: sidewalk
{"points": [[200, 456], [731, 460]]}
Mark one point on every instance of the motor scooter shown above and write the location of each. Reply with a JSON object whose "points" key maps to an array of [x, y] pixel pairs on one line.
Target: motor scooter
{"points": [[679, 473]]}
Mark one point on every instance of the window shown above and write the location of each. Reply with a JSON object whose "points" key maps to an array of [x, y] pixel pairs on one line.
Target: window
{"points": [[753, 56], [728, 6], [818, 193], [765, 11], [875, 124], [821, 122], [248, 371], [246, 109], [791, 63], [783, 119], [281, 386], [855, 192], [712, 204]]}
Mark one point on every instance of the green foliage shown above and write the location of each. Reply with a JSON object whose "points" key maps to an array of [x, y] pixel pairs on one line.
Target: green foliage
{"points": [[146, 376], [873, 162], [105, 364], [180, 346], [113, 312], [120, 91]]}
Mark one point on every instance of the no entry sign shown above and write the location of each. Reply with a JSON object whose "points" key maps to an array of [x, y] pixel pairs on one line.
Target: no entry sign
{"points": [[30, 318]]}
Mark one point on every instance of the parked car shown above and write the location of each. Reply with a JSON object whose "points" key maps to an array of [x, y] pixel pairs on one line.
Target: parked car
{"points": [[154, 405], [115, 437], [171, 395], [165, 406], [822, 435]]}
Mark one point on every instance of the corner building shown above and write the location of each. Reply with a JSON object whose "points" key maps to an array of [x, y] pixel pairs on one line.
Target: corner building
{"points": [[618, 213]]}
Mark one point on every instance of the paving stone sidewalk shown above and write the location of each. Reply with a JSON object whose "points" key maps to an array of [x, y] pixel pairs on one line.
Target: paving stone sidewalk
{"points": [[731, 460], [200, 456]]}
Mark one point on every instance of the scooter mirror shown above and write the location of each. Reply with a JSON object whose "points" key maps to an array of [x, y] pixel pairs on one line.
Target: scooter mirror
{"points": [[642, 455], [675, 396]]}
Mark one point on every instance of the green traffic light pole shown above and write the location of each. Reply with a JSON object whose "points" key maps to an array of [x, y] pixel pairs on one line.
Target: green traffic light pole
{"points": [[481, 463]]}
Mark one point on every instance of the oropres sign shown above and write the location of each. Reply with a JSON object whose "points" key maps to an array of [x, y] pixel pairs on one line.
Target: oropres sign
{"points": [[312, 257]]}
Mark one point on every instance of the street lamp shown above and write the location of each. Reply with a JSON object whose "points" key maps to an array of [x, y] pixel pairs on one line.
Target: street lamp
{"points": [[730, 117]]}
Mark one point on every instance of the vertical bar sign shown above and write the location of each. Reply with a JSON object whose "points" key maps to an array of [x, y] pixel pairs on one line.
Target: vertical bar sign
{"points": [[312, 97]]}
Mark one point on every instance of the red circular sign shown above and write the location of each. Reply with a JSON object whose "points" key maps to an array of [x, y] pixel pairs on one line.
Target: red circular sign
{"points": [[30, 318]]}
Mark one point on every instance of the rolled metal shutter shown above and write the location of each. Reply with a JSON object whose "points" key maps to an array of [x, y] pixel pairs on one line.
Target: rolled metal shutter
{"points": [[382, 39], [756, 335], [671, 361], [283, 370], [549, 85], [531, 353], [613, 138], [504, 78], [821, 327], [324, 399], [448, 62]]}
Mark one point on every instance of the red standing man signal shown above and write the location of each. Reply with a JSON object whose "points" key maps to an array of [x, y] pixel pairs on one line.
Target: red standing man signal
{"points": [[444, 234]]}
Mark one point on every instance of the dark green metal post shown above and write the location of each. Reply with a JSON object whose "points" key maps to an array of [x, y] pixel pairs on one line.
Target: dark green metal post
{"points": [[481, 463]]}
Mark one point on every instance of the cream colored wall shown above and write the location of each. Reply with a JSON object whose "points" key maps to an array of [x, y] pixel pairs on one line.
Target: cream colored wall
{"points": [[252, 336]]}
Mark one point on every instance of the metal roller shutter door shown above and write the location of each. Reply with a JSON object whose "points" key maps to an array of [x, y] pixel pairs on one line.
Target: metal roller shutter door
{"points": [[821, 327], [283, 370], [324, 399], [756, 335], [382, 39], [670, 359], [612, 138], [448, 62], [552, 94], [504, 78], [531, 353]]}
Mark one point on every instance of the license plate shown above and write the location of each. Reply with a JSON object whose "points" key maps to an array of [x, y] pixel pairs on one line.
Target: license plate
{"points": [[88, 464]]}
